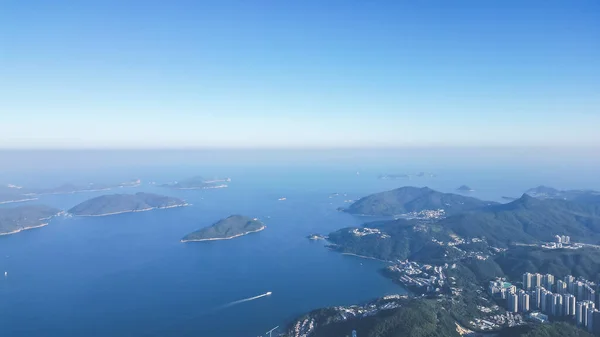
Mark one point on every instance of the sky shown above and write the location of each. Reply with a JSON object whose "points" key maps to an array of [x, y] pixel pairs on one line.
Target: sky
{"points": [[299, 74]]}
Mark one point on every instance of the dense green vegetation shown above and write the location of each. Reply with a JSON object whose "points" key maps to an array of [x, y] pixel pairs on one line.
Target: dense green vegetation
{"points": [[119, 203], [413, 199], [235, 225], [528, 220], [403, 242], [415, 318], [545, 330], [23, 217], [583, 262], [524, 220]]}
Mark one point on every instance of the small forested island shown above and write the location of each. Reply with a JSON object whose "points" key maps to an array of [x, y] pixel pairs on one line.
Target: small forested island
{"points": [[17, 219], [228, 228], [465, 188], [413, 199], [198, 183], [123, 203]]}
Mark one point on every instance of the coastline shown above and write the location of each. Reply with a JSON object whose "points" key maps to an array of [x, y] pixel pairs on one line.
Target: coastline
{"points": [[132, 211], [24, 229], [227, 238]]}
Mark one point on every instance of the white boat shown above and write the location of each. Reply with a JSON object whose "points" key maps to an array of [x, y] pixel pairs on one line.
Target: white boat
{"points": [[269, 293], [282, 199]]}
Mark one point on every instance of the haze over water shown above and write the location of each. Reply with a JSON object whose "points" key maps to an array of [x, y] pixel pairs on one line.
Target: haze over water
{"points": [[128, 275]]}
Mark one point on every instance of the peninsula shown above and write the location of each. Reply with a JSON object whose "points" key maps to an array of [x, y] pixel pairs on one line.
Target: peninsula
{"points": [[228, 228], [17, 219], [123, 203]]}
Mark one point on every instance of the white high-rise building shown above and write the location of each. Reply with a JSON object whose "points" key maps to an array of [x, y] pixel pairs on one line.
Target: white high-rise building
{"points": [[527, 281], [545, 299], [537, 297], [536, 280], [512, 303], [581, 312], [523, 302], [569, 302], [549, 281], [590, 319], [561, 287], [557, 304]]}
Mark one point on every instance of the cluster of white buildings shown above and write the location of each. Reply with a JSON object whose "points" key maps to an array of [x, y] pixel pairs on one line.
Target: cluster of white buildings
{"points": [[566, 297], [369, 231], [426, 276], [561, 241]]}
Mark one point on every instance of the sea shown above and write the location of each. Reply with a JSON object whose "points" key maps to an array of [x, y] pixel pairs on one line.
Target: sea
{"points": [[129, 274]]}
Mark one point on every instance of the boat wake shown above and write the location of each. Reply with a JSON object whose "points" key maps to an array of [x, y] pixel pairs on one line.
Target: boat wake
{"points": [[230, 304], [212, 311]]}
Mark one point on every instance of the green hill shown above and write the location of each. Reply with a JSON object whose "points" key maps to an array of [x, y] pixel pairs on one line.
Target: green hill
{"points": [[16, 219], [583, 262], [122, 203], [415, 318], [233, 226], [528, 219], [413, 199], [393, 240]]}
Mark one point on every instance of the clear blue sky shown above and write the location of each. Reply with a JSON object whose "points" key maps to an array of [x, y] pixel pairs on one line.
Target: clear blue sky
{"points": [[299, 73]]}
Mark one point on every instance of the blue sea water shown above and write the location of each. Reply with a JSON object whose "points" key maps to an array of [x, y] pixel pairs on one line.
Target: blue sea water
{"points": [[129, 275]]}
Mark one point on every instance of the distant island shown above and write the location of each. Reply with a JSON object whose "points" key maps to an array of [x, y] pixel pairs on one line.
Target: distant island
{"points": [[11, 193], [228, 228], [123, 203], [17, 219], [198, 183], [73, 188], [465, 188], [405, 176], [410, 199]]}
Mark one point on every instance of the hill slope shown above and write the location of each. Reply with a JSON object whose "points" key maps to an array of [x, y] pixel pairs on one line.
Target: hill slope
{"points": [[122, 203], [233, 226], [393, 240], [13, 220], [529, 220], [413, 199]]}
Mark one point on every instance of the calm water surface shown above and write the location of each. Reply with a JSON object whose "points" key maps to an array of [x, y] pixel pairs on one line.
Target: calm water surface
{"points": [[128, 274]]}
